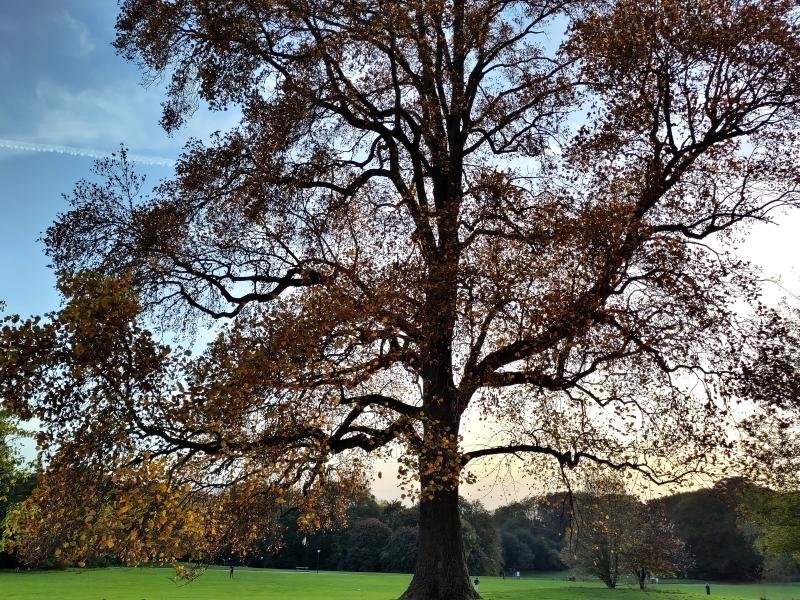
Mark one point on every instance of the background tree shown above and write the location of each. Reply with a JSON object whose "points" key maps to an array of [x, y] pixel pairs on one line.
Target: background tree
{"points": [[708, 522], [618, 535], [404, 230], [396, 515], [400, 553], [10, 462], [603, 524], [365, 541], [533, 532], [484, 555], [519, 550], [654, 548], [775, 511], [777, 516], [16, 480]]}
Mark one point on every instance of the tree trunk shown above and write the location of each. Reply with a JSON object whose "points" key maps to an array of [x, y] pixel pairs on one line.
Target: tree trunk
{"points": [[641, 574], [441, 571]]}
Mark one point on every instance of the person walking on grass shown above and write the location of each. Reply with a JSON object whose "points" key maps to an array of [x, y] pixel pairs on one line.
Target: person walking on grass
{"points": [[230, 572]]}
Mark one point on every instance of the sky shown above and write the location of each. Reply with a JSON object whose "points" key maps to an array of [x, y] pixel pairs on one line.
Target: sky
{"points": [[67, 98]]}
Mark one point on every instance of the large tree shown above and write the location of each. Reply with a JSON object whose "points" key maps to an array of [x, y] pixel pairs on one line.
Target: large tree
{"points": [[512, 209]]}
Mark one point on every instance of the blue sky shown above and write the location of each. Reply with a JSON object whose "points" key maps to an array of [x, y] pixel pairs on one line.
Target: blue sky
{"points": [[67, 97]]}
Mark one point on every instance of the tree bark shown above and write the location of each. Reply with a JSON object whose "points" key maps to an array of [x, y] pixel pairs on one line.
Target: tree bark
{"points": [[441, 570], [641, 575]]}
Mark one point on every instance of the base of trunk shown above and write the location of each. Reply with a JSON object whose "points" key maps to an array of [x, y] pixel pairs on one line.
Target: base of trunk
{"points": [[421, 589], [641, 575], [441, 571]]}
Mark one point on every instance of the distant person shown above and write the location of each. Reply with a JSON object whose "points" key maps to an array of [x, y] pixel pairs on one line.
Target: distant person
{"points": [[708, 590], [230, 572]]}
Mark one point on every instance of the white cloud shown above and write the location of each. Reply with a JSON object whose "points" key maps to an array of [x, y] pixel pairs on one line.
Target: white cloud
{"points": [[125, 112], [18, 146], [93, 116], [79, 31]]}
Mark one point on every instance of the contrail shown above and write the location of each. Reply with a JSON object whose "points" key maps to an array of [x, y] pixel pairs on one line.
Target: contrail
{"points": [[87, 152]]}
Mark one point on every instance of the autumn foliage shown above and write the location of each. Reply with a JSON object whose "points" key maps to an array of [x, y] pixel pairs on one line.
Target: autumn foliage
{"points": [[615, 535], [430, 211]]}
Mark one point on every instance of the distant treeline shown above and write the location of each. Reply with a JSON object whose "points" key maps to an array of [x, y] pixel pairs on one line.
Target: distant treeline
{"points": [[382, 536], [528, 536]]}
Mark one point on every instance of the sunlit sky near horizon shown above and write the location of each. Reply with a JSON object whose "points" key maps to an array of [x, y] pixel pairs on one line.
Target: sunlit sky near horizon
{"points": [[67, 98]]}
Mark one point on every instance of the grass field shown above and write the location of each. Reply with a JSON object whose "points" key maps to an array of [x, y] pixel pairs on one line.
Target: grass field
{"points": [[255, 584]]}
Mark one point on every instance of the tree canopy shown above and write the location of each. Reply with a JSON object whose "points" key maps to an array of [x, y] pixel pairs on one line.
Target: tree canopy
{"points": [[16, 481], [12, 467], [707, 521], [521, 210], [777, 515]]}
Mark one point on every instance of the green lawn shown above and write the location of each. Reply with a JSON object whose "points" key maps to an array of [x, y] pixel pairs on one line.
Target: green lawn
{"points": [[157, 584]]}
